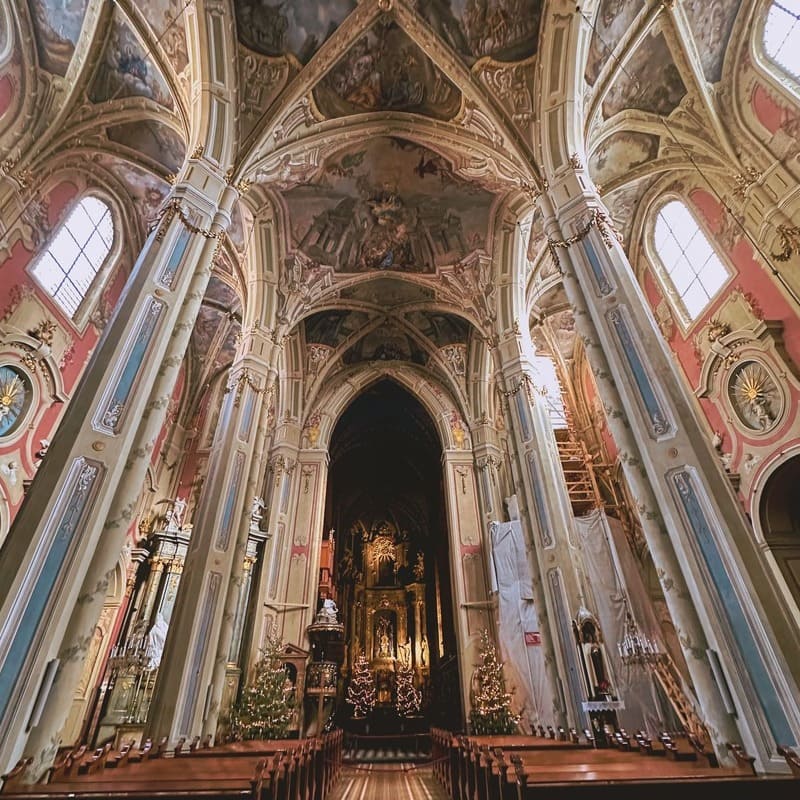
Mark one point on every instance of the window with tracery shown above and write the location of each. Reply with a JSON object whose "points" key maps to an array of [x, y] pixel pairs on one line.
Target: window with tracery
{"points": [[690, 269], [782, 36], [76, 253]]}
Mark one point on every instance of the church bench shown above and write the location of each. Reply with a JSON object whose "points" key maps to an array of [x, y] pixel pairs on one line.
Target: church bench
{"points": [[96, 762], [68, 765], [708, 782], [15, 776], [121, 757], [791, 758]]}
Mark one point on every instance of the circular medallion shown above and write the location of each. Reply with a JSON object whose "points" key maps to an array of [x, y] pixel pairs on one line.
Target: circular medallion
{"points": [[15, 398], [754, 396]]}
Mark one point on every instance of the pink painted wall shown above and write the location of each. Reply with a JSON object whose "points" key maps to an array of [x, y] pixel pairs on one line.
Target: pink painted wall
{"points": [[13, 277], [764, 296]]}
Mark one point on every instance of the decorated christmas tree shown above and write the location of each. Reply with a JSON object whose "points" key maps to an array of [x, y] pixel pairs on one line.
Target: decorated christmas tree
{"points": [[408, 699], [361, 691], [491, 703], [264, 710]]}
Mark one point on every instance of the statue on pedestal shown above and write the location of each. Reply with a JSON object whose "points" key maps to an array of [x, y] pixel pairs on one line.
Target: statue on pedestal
{"points": [[329, 612], [174, 518], [257, 513]]}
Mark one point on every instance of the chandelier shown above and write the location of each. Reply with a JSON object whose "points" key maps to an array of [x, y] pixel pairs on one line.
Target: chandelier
{"points": [[636, 649]]}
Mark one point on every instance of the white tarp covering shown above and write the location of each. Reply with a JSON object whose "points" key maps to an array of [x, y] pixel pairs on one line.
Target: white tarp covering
{"points": [[608, 561], [520, 636]]}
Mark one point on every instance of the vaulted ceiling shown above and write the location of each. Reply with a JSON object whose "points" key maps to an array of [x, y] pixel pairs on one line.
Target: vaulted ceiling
{"points": [[387, 134]]}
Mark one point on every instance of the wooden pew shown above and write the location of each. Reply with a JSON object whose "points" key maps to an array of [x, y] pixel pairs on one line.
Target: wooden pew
{"points": [[96, 762], [120, 758], [13, 779], [68, 765], [792, 759]]}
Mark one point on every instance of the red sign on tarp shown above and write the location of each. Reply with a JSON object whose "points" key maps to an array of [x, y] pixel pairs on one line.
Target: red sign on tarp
{"points": [[532, 638]]}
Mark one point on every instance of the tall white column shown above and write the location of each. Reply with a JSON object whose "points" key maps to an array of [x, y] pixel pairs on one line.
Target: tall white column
{"points": [[191, 678], [54, 564], [741, 650]]}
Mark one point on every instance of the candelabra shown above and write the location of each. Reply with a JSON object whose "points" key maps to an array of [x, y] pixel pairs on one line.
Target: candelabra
{"points": [[635, 648]]}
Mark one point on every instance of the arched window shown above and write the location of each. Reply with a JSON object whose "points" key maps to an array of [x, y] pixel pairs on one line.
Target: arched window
{"points": [[76, 253], [690, 268], [782, 36]]}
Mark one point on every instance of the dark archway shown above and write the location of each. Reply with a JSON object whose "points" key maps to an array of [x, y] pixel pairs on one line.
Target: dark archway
{"points": [[779, 514], [385, 502]]}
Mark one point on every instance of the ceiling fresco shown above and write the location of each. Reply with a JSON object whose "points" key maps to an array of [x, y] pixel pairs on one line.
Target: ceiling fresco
{"points": [[711, 22], [388, 204], [219, 294], [214, 339], [506, 30], [126, 70], [388, 342], [57, 25], [621, 152], [648, 81], [279, 28], [146, 190], [332, 328], [441, 329], [614, 17], [385, 70], [166, 18], [152, 139], [623, 203], [388, 292]]}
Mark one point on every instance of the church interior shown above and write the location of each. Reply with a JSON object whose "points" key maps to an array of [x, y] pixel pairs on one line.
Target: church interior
{"points": [[377, 330]]}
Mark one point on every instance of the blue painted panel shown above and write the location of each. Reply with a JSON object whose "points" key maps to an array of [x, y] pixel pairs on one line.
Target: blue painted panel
{"points": [[597, 268], [201, 644], [521, 400], [170, 270], [68, 517], [226, 523], [247, 415], [655, 413], [540, 508], [729, 600], [122, 390]]}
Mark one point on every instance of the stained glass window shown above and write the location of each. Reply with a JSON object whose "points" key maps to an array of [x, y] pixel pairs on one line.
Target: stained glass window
{"points": [[76, 253]]}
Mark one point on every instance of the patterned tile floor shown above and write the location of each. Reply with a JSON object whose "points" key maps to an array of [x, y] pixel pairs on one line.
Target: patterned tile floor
{"points": [[387, 781]]}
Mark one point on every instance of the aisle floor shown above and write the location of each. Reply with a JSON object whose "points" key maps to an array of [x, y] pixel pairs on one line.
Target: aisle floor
{"points": [[405, 781]]}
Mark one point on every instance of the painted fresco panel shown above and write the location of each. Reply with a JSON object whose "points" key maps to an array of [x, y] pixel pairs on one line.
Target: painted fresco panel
{"points": [[388, 204], [613, 19], [125, 70], [384, 70], [57, 25], [506, 30], [166, 18], [620, 153], [711, 22], [152, 139], [299, 28], [650, 81]]}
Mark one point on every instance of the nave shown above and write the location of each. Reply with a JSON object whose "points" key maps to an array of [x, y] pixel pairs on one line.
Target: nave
{"points": [[559, 764]]}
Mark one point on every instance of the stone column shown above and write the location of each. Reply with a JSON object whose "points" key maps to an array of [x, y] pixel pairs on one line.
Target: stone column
{"points": [[473, 610], [727, 616], [546, 506], [191, 678], [54, 565]]}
